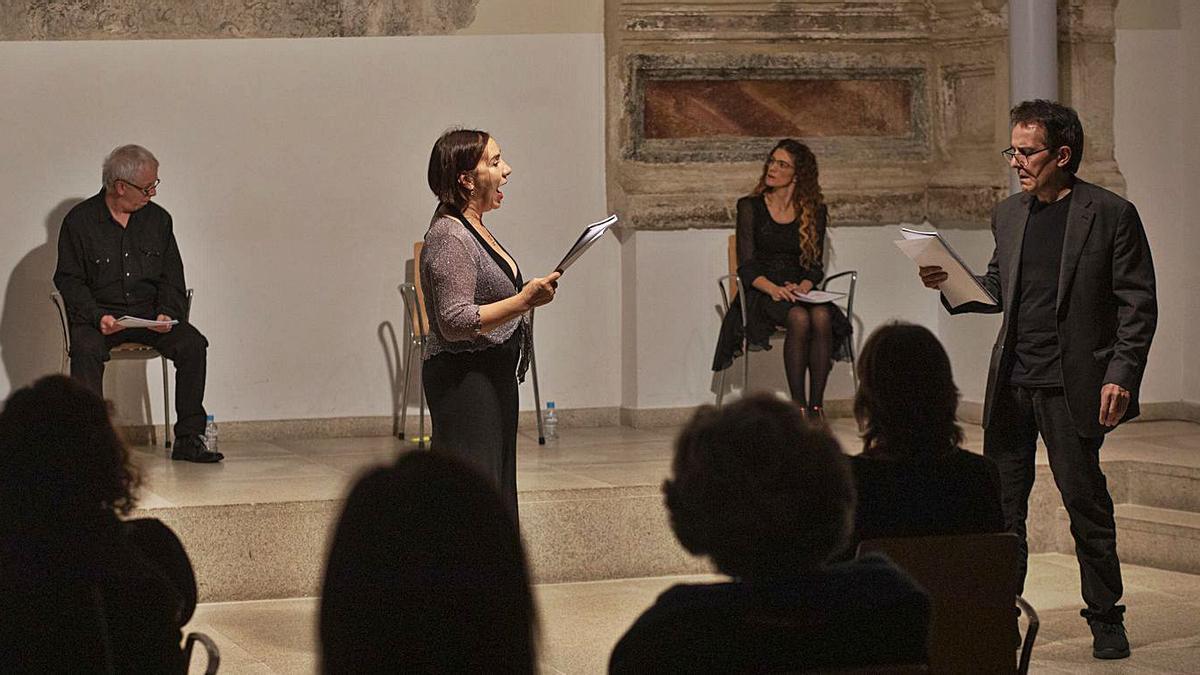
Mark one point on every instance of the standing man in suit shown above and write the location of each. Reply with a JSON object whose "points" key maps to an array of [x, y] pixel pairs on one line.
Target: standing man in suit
{"points": [[117, 256], [1074, 279]]}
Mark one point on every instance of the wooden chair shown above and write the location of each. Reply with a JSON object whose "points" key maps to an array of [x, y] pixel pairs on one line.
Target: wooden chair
{"points": [[417, 334], [731, 286], [130, 351], [971, 580]]}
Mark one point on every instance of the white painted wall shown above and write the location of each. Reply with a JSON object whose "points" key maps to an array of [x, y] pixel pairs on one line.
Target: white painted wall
{"points": [[295, 171], [1155, 127]]}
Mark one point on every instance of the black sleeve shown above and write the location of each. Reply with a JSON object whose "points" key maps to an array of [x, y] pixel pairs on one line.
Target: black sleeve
{"points": [[160, 546], [172, 289], [747, 269], [1136, 299], [71, 278]]}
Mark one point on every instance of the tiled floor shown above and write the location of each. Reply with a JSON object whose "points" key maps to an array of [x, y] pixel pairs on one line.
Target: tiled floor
{"points": [[581, 621], [302, 470]]}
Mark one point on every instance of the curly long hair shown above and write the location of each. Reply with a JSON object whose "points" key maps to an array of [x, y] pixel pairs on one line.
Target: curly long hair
{"points": [[759, 490], [60, 457], [806, 196], [906, 400]]}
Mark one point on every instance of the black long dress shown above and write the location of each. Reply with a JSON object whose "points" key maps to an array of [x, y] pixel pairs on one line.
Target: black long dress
{"points": [[769, 249]]}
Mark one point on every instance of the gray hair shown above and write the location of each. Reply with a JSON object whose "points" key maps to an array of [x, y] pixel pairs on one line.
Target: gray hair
{"points": [[124, 164]]}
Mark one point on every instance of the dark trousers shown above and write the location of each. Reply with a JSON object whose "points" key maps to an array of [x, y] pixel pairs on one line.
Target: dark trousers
{"points": [[183, 345], [473, 404], [1011, 441]]}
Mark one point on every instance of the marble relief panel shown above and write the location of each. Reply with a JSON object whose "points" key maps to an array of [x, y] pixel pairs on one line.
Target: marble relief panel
{"points": [[757, 108]]}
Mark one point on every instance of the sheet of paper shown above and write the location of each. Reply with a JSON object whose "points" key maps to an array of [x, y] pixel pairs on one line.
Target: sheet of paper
{"points": [[591, 234], [135, 322], [930, 249], [817, 296]]}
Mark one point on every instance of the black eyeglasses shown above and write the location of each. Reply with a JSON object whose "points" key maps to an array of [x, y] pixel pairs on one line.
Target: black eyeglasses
{"points": [[144, 190], [1022, 155]]}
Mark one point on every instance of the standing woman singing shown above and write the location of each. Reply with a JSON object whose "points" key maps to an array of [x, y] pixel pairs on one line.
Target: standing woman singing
{"points": [[480, 337], [780, 248]]}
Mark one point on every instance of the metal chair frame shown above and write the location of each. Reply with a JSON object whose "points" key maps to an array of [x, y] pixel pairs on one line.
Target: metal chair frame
{"points": [[129, 351], [731, 287], [417, 335]]}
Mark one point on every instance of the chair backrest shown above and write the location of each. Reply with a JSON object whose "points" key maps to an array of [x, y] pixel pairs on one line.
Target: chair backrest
{"points": [[972, 582], [418, 318], [733, 265]]}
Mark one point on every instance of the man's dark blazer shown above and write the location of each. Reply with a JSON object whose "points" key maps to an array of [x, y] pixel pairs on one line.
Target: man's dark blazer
{"points": [[1106, 305]]}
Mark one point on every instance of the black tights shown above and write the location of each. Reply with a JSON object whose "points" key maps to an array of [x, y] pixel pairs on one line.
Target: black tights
{"points": [[809, 345]]}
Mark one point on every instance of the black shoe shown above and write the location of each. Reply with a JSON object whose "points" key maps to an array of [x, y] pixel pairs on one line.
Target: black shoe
{"points": [[192, 449], [1109, 640]]}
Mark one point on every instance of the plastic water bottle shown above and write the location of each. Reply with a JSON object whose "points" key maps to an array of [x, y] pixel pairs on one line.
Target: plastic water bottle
{"points": [[210, 434], [550, 422]]}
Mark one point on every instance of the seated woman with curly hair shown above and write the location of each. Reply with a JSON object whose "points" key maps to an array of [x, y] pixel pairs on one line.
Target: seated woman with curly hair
{"points": [[913, 478], [770, 499], [82, 589]]}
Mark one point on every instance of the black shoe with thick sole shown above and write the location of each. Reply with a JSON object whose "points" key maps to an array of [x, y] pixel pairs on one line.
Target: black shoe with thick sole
{"points": [[1109, 640], [192, 449]]}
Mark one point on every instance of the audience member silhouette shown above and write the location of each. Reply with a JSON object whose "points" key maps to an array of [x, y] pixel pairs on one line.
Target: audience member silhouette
{"points": [[769, 499], [83, 590], [913, 478], [426, 574]]}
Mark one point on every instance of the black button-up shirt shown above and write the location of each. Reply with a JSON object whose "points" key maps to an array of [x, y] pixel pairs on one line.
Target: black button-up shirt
{"points": [[104, 268]]}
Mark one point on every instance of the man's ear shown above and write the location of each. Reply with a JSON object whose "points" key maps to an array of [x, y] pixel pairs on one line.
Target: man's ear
{"points": [[1064, 156]]}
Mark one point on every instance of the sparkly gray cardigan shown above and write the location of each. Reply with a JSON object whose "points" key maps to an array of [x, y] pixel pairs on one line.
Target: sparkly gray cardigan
{"points": [[458, 275]]}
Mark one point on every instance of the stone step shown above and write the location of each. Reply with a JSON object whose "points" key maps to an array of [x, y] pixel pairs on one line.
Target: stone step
{"points": [[1167, 539], [1165, 486], [278, 550]]}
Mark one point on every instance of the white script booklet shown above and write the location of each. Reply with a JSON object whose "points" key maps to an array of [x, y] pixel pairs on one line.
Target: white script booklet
{"points": [[818, 297], [591, 234], [135, 322], [930, 249]]}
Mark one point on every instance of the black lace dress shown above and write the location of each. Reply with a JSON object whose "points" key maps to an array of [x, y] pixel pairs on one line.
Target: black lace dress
{"points": [[769, 249]]}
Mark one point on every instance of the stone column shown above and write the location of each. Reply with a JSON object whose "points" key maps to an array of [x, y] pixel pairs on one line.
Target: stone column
{"points": [[1032, 54]]}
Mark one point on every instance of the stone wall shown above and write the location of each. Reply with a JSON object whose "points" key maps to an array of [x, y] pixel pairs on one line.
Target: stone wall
{"points": [[904, 103]]}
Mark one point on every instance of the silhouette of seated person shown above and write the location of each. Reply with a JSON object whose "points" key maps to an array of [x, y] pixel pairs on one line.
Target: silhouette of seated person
{"points": [[83, 590], [426, 574], [770, 499], [913, 477]]}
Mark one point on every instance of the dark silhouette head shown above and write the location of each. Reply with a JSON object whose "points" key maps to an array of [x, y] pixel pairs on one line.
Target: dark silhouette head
{"points": [[426, 574], [906, 401], [759, 490], [61, 461]]}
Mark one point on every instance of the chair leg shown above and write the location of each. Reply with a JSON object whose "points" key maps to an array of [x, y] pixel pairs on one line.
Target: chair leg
{"points": [[166, 404], [853, 365], [421, 431], [404, 396], [537, 398], [721, 386], [745, 368]]}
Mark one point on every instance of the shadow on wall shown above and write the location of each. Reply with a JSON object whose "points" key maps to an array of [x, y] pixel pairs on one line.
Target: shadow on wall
{"points": [[31, 340], [30, 333]]}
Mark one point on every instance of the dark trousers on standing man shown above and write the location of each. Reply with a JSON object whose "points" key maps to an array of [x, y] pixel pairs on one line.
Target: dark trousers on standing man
{"points": [[183, 345], [1019, 415]]}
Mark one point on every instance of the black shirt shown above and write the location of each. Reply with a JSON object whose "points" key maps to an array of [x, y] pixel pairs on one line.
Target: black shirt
{"points": [[104, 268], [1036, 360]]}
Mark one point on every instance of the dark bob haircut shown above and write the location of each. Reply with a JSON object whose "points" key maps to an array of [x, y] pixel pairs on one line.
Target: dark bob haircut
{"points": [[1060, 123], [456, 152], [426, 574], [759, 490], [906, 400], [60, 457]]}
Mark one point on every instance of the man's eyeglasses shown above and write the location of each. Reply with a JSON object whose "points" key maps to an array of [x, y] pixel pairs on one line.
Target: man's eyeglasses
{"points": [[144, 190], [779, 163], [1022, 155]]}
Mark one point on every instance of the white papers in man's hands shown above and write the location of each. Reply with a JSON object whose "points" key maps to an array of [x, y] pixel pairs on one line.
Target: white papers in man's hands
{"points": [[818, 297], [929, 249], [591, 234], [135, 322]]}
